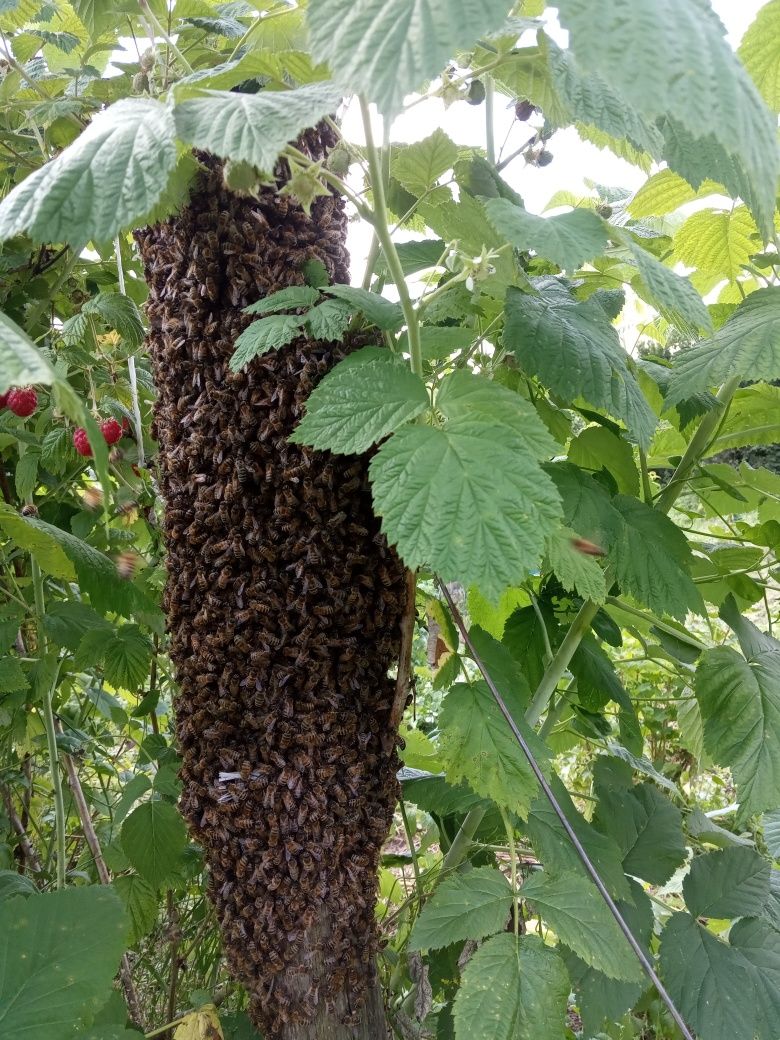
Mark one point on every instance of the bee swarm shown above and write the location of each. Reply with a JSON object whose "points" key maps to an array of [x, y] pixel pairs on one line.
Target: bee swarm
{"points": [[283, 603]]}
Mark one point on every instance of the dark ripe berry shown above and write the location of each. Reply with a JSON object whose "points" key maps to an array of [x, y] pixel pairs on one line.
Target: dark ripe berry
{"points": [[4, 399], [81, 442], [476, 94], [111, 430], [544, 158], [524, 110], [23, 401]]}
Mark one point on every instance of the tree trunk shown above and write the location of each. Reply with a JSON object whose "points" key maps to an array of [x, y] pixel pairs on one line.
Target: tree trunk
{"points": [[284, 605]]}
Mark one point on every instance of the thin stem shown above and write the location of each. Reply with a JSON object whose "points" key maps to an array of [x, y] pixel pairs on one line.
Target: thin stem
{"points": [[131, 370], [160, 31], [490, 134], [510, 837], [459, 848], [647, 491], [697, 446], [48, 722], [412, 849], [579, 848], [684, 637], [382, 227]]}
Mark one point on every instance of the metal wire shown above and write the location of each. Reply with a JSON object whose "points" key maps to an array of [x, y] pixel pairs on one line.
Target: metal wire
{"points": [[642, 957]]}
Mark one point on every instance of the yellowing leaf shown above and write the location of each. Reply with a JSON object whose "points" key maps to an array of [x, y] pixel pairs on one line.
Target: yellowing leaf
{"points": [[202, 1024], [718, 243]]}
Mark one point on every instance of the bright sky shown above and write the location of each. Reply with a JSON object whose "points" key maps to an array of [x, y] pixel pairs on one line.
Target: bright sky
{"points": [[574, 159]]}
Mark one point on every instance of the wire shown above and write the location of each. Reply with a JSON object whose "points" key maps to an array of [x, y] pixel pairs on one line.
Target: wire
{"points": [[642, 957]]}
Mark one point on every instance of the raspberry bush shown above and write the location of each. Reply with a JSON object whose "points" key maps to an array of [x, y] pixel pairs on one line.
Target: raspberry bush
{"points": [[287, 543]]}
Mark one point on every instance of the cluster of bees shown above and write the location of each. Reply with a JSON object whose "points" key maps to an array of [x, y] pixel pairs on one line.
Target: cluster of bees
{"points": [[283, 603]]}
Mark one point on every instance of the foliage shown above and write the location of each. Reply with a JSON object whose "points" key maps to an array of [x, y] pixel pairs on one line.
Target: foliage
{"points": [[617, 580]]}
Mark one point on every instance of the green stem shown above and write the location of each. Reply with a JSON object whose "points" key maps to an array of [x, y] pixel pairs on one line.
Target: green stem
{"points": [[684, 637], [458, 851], [510, 837], [557, 667], [490, 137], [48, 722], [647, 491], [410, 840], [160, 30], [382, 226], [696, 448]]}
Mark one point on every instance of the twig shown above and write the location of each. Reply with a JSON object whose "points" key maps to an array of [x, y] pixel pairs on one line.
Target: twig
{"points": [[87, 826], [29, 855], [594, 875], [403, 679]]}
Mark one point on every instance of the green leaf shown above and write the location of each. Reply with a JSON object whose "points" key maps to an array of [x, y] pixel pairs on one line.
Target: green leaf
{"points": [[154, 838], [253, 128], [67, 621], [263, 335], [586, 505], [759, 52], [556, 851], [748, 345], [501, 665], [285, 299], [771, 824], [140, 900], [329, 320], [665, 192], [432, 793], [717, 243], [573, 348], [732, 883], [707, 982], [646, 827], [464, 499], [758, 945], [383, 313], [464, 395], [45, 548], [125, 653], [26, 475], [12, 677], [20, 361], [651, 556], [753, 418], [600, 998], [16, 13], [671, 293], [680, 69], [419, 166], [568, 239], [56, 449], [575, 569], [358, 404], [598, 448], [58, 955], [512, 989], [107, 179], [466, 906], [572, 907], [740, 707], [118, 312], [386, 52], [478, 746]]}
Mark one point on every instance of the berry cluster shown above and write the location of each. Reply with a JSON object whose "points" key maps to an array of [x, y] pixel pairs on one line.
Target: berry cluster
{"points": [[112, 432]]}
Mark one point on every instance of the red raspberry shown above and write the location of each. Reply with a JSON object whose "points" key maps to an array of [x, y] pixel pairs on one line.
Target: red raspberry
{"points": [[4, 399], [22, 401], [125, 424], [81, 442], [111, 430]]}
